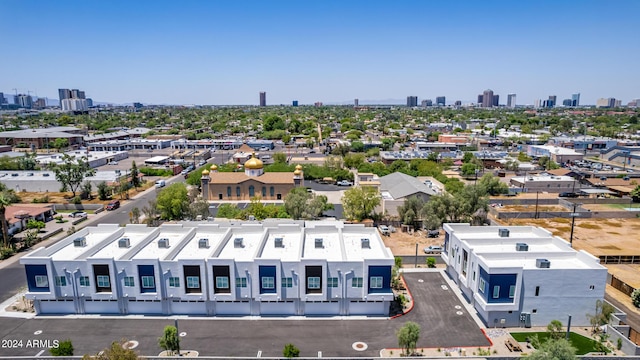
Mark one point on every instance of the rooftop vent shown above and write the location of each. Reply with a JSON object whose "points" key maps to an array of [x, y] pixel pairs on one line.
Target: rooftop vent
{"points": [[365, 243], [163, 243], [319, 243], [278, 242], [237, 243], [124, 243], [502, 232], [203, 243], [522, 247], [80, 242], [543, 263]]}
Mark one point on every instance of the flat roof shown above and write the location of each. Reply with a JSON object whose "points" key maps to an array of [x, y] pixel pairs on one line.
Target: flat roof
{"points": [[113, 250], [249, 241], [353, 244], [291, 245], [192, 249], [152, 251], [330, 248], [71, 252], [569, 261]]}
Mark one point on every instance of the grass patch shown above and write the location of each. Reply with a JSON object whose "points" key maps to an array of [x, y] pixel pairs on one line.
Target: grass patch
{"points": [[583, 344], [623, 206]]}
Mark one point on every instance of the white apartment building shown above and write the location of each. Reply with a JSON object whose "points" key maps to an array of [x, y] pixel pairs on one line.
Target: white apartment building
{"points": [[270, 268], [522, 275]]}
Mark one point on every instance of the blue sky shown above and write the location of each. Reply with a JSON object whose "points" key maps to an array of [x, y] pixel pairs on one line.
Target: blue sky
{"points": [[226, 52]]}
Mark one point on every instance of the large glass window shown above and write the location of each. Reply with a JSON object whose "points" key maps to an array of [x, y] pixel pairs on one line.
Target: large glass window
{"points": [[84, 281], [264, 191], [193, 282], [148, 282], [313, 282], [252, 191], [332, 282], [238, 191], [241, 282], [61, 281], [222, 282], [42, 281], [272, 191], [512, 291], [375, 282], [356, 282], [174, 282], [268, 282], [287, 282], [481, 285], [496, 291], [228, 191], [103, 281], [128, 281]]}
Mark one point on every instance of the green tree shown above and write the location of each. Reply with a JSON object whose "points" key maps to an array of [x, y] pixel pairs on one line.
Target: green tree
{"points": [[173, 202], [554, 349], [33, 229], [635, 194], [229, 211], [554, 329], [135, 215], [411, 209], [467, 157], [408, 336], [60, 144], [151, 213], [169, 341], [290, 351], [602, 315], [492, 185], [135, 180], [635, 298], [295, 202], [522, 157], [280, 158], [65, 348], [317, 205], [114, 352], [468, 169], [431, 262], [7, 197], [199, 207], [359, 202], [103, 191], [72, 172]]}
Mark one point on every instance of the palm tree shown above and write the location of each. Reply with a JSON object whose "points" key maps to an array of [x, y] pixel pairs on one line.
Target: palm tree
{"points": [[4, 202]]}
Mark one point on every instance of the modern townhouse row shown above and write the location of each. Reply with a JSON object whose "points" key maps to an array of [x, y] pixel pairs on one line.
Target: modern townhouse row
{"points": [[522, 276], [214, 269]]}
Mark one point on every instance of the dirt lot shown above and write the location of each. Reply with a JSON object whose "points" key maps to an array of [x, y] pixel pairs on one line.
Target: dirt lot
{"points": [[405, 243], [65, 197]]}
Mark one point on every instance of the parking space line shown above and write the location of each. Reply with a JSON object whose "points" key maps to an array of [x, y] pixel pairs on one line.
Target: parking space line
{"points": [[259, 353], [40, 353], [319, 354]]}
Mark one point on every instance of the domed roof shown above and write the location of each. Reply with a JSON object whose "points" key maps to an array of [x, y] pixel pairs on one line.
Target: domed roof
{"points": [[205, 172], [253, 163], [297, 172], [298, 167], [214, 167]]}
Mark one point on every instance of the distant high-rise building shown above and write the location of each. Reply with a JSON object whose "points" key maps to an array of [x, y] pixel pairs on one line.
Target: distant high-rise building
{"points": [[89, 102], [74, 105], [23, 101], [511, 100], [487, 98], [70, 94], [1, 98], [64, 94], [458, 103], [426, 102], [567, 102], [606, 102], [263, 98], [77, 94], [317, 104], [496, 100], [575, 99], [634, 103], [355, 102], [412, 101], [441, 101], [552, 102], [136, 105], [294, 103], [40, 103], [480, 99], [618, 103], [537, 103]]}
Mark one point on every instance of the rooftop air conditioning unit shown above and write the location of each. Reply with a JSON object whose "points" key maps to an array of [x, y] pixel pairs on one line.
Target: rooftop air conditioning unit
{"points": [[237, 243], [203, 243], [522, 247], [543, 263], [124, 243], [318, 243], [80, 242], [278, 242], [502, 232], [163, 243], [365, 243]]}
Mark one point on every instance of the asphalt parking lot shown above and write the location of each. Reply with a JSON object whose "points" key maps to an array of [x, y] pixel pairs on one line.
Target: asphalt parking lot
{"points": [[435, 310]]}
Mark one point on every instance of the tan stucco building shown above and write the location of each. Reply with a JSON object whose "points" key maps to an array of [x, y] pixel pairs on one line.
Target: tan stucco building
{"points": [[242, 186]]}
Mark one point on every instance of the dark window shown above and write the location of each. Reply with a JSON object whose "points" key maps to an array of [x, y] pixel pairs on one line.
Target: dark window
{"points": [[102, 278], [537, 290], [272, 191], [313, 279], [252, 191], [229, 191], [37, 278], [238, 191], [221, 277], [192, 279], [145, 272], [219, 196], [264, 191], [279, 197], [267, 277]]}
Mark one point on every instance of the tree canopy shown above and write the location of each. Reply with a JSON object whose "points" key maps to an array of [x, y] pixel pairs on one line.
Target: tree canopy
{"points": [[72, 172], [359, 202], [173, 202]]}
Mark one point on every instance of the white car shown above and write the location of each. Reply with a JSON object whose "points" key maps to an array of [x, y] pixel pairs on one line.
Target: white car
{"points": [[78, 214], [344, 183], [433, 249]]}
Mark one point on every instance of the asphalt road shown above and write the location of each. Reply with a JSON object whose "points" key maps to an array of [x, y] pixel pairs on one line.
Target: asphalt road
{"points": [[436, 310]]}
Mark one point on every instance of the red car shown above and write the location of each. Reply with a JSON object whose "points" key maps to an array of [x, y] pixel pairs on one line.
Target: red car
{"points": [[113, 205]]}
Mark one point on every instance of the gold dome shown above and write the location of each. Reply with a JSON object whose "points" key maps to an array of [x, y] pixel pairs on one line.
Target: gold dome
{"points": [[205, 172], [253, 163], [299, 167], [297, 173], [214, 167]]}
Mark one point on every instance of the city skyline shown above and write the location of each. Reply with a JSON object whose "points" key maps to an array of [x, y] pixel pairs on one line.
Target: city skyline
{"points": [[330, 52]]}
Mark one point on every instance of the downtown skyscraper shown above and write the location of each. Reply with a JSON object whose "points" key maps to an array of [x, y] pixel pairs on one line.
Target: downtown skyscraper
{"points": [[263, 98]]}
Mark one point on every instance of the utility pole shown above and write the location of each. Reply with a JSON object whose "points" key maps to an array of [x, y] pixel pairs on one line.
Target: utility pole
{"points": [[537, 193], [574, 214]]}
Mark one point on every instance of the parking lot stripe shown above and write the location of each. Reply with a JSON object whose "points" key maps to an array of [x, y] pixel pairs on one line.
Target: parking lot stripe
{"points": [[259, 353]]}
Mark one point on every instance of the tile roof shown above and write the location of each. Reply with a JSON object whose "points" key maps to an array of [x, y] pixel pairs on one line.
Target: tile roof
{"points": [[239, 177]]}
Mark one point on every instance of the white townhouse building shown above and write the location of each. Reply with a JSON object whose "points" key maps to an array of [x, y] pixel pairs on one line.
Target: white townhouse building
{"points": [[212, 269], [522, 275]]}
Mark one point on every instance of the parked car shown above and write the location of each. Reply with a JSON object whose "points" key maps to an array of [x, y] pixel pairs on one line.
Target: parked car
{"points": [[433, 233], [160, 183], [78, 214], [384, 230], [344, 183], [113, 205], [568, 195], [433, 249]]}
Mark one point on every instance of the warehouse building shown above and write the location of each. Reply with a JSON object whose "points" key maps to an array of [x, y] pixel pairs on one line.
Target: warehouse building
{"points": [[214, 269], [522, 275]]}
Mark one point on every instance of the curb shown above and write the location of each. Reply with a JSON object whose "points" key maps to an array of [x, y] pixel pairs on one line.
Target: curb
{"points": [[486, 336], [412, 301]]}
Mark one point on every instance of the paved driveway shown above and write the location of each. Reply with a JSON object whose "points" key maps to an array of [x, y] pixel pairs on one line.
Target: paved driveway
{"points": [[434, 310]]}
